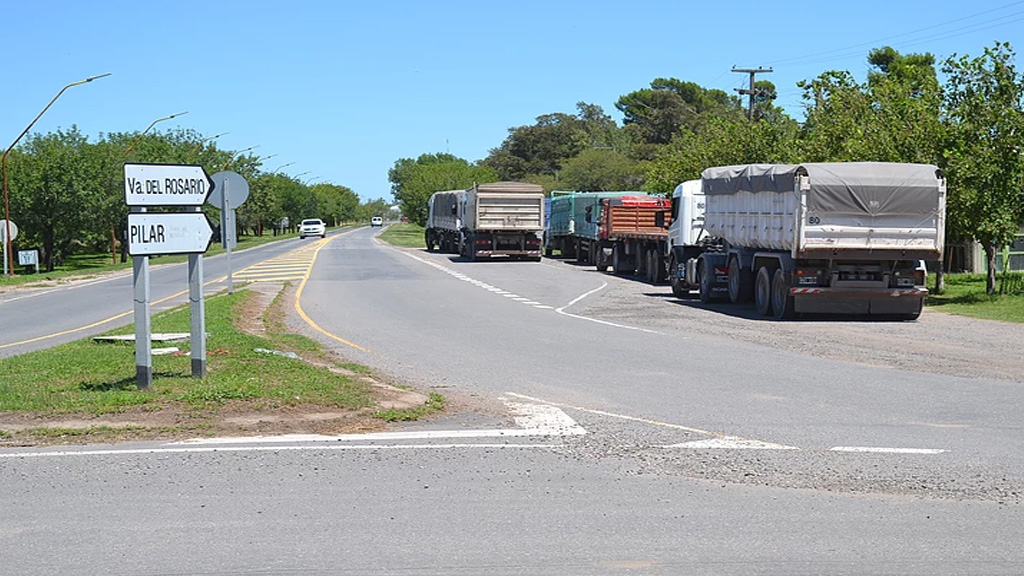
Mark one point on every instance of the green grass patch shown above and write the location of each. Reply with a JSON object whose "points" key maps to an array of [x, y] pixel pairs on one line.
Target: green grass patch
{"points": [[86, 377], [435, 403], [405, 234], [965, 296]]}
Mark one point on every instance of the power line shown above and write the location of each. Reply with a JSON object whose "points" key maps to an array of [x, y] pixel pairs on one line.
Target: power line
{"points": [[816, 57]]}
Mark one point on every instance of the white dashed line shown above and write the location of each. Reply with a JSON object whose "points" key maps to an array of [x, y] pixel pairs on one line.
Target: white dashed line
{"points": [[878, 450]]}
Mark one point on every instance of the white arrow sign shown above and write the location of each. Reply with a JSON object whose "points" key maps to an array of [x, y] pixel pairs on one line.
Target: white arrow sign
{"points": [[152, 234], [166, 185]]}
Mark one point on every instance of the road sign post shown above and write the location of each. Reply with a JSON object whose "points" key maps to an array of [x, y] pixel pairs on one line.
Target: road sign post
{"points": [[6, 225], [157, 233], [230, 190]]}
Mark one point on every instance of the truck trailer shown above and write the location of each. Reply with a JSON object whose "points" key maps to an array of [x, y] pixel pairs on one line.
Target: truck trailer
{"points": [[495, 219], [569, 230], [846, 238], [631, 235]]}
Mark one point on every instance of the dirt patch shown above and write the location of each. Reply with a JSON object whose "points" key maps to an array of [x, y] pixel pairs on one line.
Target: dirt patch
{"points": [[179, 421]]}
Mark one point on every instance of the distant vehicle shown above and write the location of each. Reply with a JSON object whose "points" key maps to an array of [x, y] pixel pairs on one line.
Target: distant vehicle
{"points": [[312, 227], [376, 221]]}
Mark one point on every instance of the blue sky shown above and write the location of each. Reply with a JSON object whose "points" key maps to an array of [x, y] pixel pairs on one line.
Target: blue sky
{"points": [[342, 89]]}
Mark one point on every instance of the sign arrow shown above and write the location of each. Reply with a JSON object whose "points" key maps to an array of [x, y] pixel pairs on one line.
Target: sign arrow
{"points": [[153, 234], [166, 185]]}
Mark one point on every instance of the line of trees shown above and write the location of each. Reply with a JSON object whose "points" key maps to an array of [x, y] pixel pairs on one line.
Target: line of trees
{"points": [[971, 125], [67, 193]]}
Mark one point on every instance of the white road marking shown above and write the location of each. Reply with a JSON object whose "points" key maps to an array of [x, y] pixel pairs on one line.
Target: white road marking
{"points": [[878, 450], [534, 420], [595, 320], [732, 443], [201, 449]]}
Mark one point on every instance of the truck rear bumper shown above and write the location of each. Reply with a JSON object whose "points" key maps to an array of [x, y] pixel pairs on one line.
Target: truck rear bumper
{"points": [[857, 301]]}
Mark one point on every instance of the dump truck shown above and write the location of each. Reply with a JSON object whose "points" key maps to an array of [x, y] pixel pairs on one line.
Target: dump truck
{"points": [[631, 236], [840, 238], [494, 219], [568, 229]]}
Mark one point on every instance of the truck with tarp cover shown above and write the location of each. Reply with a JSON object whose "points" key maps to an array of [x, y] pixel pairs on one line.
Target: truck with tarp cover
{"points": [[444, 221], [846, 238]]}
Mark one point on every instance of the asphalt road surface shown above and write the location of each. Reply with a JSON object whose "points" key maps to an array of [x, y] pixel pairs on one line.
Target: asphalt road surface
{"points": [[602, 428]]}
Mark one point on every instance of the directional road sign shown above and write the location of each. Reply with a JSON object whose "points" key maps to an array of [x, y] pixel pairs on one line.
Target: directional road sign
{"points": [[166, 185], [152, 234]]}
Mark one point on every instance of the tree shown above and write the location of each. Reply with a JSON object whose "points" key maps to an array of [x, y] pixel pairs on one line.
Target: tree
{"points": [[601, 170], [984, 115], [413, 181], [657, 113], [56, 189], [723, 140]]}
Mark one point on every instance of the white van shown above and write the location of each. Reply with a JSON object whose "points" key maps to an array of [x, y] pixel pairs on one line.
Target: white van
{"points": [[376, 221]]}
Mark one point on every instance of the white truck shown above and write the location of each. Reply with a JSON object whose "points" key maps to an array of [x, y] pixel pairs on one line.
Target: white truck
{"points": [[845, 238], [495, 219]]}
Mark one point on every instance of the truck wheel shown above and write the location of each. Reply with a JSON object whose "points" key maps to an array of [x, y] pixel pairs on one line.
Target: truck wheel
{"points": [[619, 261], [429, 241], [763, 292], [740, 288], [705, 283], [782, 302], [600, 261], [678, 290], [656, 267]]}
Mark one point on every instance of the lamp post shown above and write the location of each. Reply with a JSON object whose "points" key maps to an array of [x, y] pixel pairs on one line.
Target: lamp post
{"points": [[7, 202], [151, 124], [204, 141], [235, 155], [278, 169]]}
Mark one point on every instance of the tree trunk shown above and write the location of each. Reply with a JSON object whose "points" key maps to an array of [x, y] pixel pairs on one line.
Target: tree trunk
{"points": [[990, 278], [940, 280]]}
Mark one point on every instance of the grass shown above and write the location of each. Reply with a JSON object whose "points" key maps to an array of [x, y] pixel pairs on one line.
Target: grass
{"points": [[965, 296], [405, 234], [85, 377]]}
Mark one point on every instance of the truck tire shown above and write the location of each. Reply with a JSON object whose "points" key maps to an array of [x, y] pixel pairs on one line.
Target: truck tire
{"points": [[741, 287], [763, 291], [620, 264], [782, 302], [429, 241], [705, 283], [678, 289], [600, 261]]}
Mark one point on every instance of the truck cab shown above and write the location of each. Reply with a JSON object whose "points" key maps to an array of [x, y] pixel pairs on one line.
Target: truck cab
{"points": [[685, 235]]}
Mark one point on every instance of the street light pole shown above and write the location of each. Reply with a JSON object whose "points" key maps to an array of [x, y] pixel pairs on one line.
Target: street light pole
{"points": [[276, 170], [7, 202], [235, 155], [151, 124], [204, 141]]}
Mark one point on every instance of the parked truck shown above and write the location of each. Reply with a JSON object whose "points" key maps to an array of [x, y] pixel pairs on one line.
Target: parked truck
{"points": [[631, 236], [572, 223], [444, 221], [495, 219], [848, 238]]}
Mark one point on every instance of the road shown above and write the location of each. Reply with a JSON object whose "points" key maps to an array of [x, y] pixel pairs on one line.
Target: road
{"points": [[674, 449]]}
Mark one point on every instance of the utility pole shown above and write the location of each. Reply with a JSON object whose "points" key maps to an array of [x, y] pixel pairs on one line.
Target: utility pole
{"points": [[751, 92]]}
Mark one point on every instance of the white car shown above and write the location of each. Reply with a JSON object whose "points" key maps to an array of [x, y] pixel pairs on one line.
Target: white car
{"points": [[376, 221], [312, 227]]}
